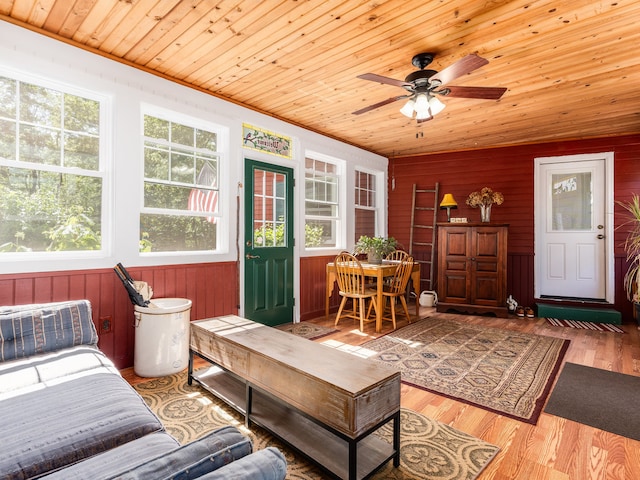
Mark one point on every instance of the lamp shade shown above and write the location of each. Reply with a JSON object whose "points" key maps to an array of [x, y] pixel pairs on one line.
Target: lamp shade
{"points": [[407, 110], [422, 104], [448, 201], [436, 106]]}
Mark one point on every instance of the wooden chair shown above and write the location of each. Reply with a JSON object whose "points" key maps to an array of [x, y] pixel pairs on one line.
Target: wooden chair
{"points": [[397, 256], [397, 288], [351, 284]]}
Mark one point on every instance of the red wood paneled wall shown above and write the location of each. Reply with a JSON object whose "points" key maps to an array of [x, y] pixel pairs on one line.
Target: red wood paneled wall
{"points": [[212, 287], [510, 170], [313, 287]]}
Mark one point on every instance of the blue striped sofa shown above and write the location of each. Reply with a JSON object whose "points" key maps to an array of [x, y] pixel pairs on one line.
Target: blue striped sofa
{"points": [[66, 413]]}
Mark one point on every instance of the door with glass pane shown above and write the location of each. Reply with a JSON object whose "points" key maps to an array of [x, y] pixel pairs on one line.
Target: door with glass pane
{"points": [[570, 230], [268, 245]]}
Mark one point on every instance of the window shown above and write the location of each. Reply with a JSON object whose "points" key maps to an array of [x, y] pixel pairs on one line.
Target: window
{"points": [[269, 209], [365, 205], [181, 169], [51, 171], [321, 203]]}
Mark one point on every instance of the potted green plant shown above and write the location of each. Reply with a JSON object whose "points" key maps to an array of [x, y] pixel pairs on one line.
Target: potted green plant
{"points": [[632, 249], [376, 248]]}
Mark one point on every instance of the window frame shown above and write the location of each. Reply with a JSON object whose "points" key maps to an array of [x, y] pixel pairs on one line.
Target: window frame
{"points": [[222, 153], [104, 171], [340, 207], [374, 179]]}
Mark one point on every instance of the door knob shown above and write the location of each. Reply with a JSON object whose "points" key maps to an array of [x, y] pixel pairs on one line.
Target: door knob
{"points": [[251, 257], [600, 237]]}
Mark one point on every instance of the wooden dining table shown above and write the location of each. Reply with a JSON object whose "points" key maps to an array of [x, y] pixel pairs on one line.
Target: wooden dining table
{"points": [[379, 272]]}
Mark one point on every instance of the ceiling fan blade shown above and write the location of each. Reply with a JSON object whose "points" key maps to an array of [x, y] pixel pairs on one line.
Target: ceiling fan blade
{"points": [[461, 67], [489, 93], [380, 104], [380, 79]]}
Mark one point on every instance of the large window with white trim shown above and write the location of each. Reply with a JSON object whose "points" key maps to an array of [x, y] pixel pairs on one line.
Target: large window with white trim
{"points": [[52, 173], [181, 184], [322, 213]]}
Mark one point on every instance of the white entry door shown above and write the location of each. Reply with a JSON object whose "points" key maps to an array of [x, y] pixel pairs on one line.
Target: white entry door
{"points": [[573, 228]]}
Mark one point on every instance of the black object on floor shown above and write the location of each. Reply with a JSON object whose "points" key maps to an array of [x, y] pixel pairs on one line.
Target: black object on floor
{"points": [[598, 398]]}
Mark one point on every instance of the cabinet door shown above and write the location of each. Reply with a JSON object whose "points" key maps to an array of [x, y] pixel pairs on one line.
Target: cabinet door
{"points": [[454, 267], [488, 265]]}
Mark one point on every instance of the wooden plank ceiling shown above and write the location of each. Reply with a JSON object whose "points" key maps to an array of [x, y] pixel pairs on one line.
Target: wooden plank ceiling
{"points": [[571, 67]]}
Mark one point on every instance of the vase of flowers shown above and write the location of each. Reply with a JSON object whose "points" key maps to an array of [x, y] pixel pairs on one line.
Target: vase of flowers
{"points": [[484, 199]]}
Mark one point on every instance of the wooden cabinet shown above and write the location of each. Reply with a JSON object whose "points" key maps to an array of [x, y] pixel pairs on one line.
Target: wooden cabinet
{"points": [[472, 268]]}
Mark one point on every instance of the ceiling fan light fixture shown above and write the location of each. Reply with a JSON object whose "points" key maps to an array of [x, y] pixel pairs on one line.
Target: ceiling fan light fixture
{"points": [[407, 109], [423, 115], [435, 105], [422, 104]]}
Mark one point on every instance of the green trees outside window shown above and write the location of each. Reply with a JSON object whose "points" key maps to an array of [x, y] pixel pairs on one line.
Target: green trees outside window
{"points": [[50, 177]]}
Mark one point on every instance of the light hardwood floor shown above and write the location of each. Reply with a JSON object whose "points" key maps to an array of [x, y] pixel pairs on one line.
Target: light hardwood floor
{"points": [[555, 448]]}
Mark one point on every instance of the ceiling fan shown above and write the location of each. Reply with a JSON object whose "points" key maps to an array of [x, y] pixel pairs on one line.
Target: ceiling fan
{"points": [[424, 86]]}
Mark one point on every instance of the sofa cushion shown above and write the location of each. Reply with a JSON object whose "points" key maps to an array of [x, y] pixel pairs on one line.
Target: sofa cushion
{"points": [[266, 464], [218, 448], [102, 466], [64, 423], [27, 330], [34, 373]]}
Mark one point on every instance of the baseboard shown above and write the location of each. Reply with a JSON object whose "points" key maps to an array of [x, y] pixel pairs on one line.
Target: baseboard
{"points": [[585, 314]]}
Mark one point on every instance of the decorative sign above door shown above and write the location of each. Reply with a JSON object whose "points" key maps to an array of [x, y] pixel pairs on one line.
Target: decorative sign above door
{"points": [[265, 141]]}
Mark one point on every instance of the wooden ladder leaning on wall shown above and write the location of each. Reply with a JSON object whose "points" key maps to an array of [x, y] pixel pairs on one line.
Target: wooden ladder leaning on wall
{"points": [[422, 238]]}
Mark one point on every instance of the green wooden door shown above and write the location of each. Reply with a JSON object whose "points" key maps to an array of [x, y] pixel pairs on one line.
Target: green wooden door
{"points": [[268, 243]]}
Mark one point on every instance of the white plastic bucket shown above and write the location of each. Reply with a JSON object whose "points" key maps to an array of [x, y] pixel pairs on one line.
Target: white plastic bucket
{"points": [[428, 298], [162, 337]]}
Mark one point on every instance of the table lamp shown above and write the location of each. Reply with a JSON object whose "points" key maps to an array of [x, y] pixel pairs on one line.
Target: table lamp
{"points": [[448, 202]]}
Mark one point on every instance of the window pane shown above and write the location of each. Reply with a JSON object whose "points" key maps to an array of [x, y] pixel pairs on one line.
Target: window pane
{"points": [[269, 209], [365, 223], [182, 167], [43, 211], [159, 233], [7, 140], [8, 100], [81, 151], [571, 201], [81, 114], [156, 128], [365, 189], [182, 134], [322, 232], [206, 140], [321, 209], [157, 195], [40, 105], [156, 163], [40, 145]]}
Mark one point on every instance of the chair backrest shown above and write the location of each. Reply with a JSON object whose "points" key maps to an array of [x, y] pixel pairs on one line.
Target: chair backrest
{"points": [[401, 276], [349, 273], [397, 255]]}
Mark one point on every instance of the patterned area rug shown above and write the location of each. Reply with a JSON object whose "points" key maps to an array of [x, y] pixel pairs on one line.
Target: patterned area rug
{"points": [[503, 371], [306, 330], [429, 449], [599, 327]]}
